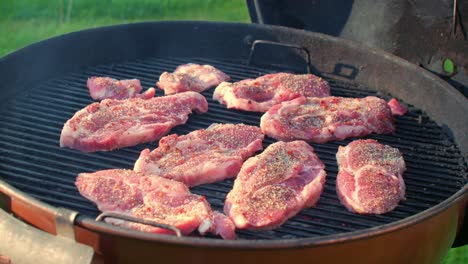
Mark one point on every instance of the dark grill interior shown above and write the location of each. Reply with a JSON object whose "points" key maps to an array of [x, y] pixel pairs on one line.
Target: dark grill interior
{"points": [[32, 161]]}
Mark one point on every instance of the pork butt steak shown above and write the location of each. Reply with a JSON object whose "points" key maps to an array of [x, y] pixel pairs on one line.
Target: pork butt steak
{"points": [[275, 185], [258, 95], [202, 156], [113, 124], [153, 198], [101, 88], [191, 77], [396, 107], [320, 120], [370, 178]]}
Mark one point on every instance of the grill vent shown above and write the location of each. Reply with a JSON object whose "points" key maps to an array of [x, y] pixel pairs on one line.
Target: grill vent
{"points": [[32, 161]]}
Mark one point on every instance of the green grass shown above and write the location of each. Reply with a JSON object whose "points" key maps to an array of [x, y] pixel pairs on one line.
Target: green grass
{"points": [[457, 256], [23, 22]]}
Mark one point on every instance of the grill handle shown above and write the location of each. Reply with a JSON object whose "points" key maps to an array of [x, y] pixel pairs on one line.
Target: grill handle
{"points": [[278, 44], [22, 243], [105, 215]]}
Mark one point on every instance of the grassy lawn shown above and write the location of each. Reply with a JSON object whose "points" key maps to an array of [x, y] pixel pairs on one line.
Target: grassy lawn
{"points": [[23, 22], [26, 21]]}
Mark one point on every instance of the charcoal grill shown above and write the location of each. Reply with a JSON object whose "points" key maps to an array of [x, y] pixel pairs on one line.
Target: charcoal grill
{"points": [[44, 85]]}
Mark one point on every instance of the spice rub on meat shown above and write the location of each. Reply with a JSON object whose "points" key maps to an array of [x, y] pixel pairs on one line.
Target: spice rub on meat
{"points": [[202, 156], [113, 124], [101, 88], [320, 120], [153, 198], [370, 178], [275, 185], [191, 77], [258, 95]]}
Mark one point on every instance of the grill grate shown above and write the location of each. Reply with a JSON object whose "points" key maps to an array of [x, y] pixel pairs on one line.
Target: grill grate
{"points": [[32, 161]]}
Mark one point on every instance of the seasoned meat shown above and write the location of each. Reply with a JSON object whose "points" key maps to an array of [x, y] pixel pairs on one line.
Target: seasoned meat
{"points": [[101, 88], [191, 77], [258, 95], [219, 224], [202, 156], [150, 197], [275, 185], [325, 119], [113, 124], [370, 178], [396, 107]]}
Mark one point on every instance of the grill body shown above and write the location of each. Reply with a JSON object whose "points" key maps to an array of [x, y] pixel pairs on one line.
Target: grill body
{"points": [[38, 97]]}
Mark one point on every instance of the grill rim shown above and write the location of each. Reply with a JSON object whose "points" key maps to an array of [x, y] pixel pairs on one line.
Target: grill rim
{"points": [[90, 224], [102, 227]]}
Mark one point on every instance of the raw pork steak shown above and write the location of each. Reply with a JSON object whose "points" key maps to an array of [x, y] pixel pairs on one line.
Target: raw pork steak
{"points": [[324, 119], [275, 185], [370, 177], [191, 77], [101, 88], [258, 95], [113, 124], [152, 198], [202, 156], [396, 107]]}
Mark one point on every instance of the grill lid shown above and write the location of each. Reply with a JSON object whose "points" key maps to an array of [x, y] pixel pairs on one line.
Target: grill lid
{"points": [[32, 161]]}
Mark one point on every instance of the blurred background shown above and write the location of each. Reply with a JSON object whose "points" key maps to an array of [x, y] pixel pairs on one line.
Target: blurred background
{"points": [[23, 22]]}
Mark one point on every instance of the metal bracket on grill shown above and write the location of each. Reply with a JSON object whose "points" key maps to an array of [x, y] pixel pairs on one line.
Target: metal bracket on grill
{"points": [[346, 71], [64, 223], [286, 45], [174, 229]]}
